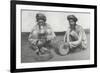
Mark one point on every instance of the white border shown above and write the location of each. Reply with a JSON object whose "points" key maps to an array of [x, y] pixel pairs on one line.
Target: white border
{"points": [[20, 65]]}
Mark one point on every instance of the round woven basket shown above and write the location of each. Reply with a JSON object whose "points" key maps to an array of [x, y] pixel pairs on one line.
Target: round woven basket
{"points": [[61, 48]]}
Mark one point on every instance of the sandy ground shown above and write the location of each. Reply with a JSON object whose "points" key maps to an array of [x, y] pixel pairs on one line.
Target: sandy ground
{"points": [[27, 54]]}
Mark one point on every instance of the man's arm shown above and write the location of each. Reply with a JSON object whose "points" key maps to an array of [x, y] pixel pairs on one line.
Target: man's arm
{"points": [[78, 42], [33, 36], [66, 36], [50, 34]]}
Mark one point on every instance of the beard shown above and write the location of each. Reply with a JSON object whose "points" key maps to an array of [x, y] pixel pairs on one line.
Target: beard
{"points": [[72, 26]]}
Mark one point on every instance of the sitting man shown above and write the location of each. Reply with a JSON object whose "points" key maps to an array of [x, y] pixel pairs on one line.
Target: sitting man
{"points": [[75, 36], [41, 35]]}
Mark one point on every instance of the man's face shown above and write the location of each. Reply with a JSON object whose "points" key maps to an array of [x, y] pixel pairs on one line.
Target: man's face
{"points": [[41, 22], [72, 22]]}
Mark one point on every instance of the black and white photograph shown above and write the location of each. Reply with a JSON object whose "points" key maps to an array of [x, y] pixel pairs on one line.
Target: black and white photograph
{"points": [[50, 36], [54, 36]]}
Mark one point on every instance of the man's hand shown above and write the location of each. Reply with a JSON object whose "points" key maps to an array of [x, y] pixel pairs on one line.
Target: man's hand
{"points": [[40, 43], [33, 42], [71, 45]]}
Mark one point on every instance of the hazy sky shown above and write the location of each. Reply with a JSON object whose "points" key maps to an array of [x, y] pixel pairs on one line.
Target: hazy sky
{"points": [[57, 20]]}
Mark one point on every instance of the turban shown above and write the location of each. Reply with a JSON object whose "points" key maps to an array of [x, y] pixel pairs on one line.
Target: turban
{"points": [[72, 17], [40, 16]]}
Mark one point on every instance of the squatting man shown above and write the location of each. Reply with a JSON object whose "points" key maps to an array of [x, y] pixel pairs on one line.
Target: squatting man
{"points": [[75, 36], [41, 35]]}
